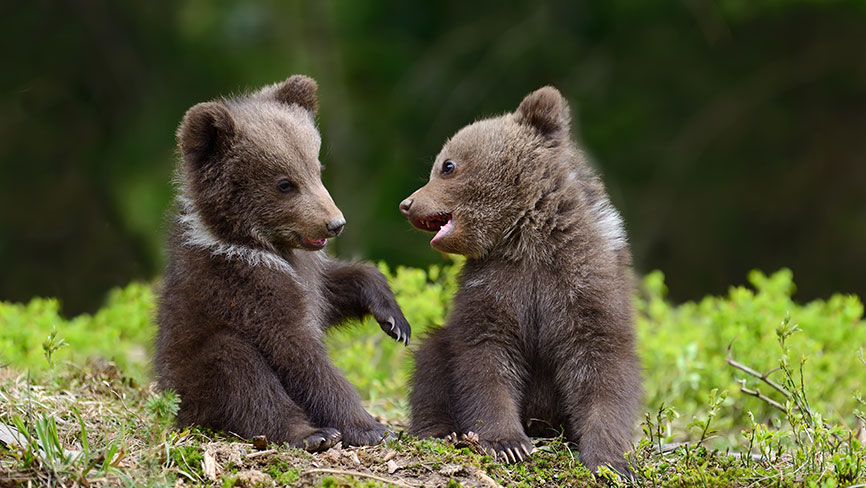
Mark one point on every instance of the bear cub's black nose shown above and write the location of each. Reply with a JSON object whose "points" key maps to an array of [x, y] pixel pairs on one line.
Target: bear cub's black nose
{"points": [[336, 226]]}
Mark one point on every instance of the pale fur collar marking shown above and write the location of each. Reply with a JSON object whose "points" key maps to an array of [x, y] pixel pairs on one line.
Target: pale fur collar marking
{"points": [[196, 234]]}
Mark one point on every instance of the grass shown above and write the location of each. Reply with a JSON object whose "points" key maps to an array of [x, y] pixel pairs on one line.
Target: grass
{"points": [[746, 389]]}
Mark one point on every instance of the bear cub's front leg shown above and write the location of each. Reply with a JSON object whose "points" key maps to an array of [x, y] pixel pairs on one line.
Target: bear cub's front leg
{"points": [[355, 290]]}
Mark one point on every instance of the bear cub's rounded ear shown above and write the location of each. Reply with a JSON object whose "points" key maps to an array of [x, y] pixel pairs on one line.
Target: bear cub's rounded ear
{"points": [[206, 130], [546, 110], [300, 90]]}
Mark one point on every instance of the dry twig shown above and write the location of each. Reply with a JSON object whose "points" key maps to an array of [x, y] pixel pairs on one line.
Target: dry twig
{"points": [[763, 377], [760, 396], [256, 454]]}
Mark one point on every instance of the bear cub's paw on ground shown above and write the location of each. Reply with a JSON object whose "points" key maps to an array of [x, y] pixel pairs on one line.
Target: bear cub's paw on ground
{"points": [[320, 440]]}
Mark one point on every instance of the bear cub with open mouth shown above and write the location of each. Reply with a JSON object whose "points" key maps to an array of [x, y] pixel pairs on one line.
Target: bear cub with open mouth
{"points": [[540, 339], [247, 295]]}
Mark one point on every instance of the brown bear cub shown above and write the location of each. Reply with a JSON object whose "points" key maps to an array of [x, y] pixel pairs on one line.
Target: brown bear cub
{"points": [[247, 296], [540, 339]]}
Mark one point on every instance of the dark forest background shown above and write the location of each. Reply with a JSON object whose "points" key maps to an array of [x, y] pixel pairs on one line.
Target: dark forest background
{"points": [[731, 133]]}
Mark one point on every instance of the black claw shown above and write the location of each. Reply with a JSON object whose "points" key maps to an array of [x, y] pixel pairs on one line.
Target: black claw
{"points": [[397, 328]]}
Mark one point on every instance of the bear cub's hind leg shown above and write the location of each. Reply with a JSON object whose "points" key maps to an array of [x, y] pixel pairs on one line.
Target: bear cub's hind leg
{"points": [[431, 395], [248, 399]]}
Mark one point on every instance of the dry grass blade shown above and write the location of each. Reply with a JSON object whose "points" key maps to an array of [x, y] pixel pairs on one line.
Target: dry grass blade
{"points": [[10, 436]]}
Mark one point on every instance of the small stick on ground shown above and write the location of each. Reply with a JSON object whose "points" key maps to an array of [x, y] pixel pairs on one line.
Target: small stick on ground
{"points": [[354, 473], [487, 480], [260, 453]]}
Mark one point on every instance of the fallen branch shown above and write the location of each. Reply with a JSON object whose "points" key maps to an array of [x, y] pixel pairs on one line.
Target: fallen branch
{"points": [[354, 473], [760, 396], [763, 377]]}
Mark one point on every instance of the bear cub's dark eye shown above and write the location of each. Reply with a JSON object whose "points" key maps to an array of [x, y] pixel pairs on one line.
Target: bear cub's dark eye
{"points": [[285, 186], [448, 167]]}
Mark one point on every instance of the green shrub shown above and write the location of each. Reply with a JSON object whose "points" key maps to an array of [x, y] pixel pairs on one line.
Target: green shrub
{"points": [[379, 366], [684, 350], [121, 331], [683, 347]]}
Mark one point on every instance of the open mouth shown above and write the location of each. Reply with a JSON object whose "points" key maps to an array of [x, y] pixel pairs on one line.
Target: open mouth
{"points": [[314, 244], [441, 223]]}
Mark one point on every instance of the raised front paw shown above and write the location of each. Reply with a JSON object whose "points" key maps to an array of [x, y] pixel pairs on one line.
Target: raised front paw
{"points": [[320, 440], [510, 449], [366, 436], [395, 325]]}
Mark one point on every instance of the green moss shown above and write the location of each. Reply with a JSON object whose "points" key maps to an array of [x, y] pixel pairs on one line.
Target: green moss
{"points": [[188, 459]]}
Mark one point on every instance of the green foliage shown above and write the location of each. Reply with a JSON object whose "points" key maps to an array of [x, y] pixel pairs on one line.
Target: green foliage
{"points": [[40, 447], [684, 347], [809, 451], [51, 345], [282, 473], [376, 364], [684, 350], [164, 406], [188, 462], [35, 336], [751, 372]]}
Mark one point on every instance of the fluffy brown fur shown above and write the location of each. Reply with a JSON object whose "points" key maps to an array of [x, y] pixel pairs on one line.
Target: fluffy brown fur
{"points": [[540, 339], [247, 296]]}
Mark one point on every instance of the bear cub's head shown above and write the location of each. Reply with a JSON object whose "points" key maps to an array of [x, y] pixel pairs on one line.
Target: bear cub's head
{"points": [[490, 175], [251, 172]]}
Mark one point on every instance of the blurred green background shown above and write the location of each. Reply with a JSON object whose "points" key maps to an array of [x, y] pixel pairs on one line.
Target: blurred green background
{"points": [[731, 133]]}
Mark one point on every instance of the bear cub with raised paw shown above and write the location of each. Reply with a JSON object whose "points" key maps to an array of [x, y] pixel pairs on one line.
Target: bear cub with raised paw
{"points": [[248, 295], [540, 339]]}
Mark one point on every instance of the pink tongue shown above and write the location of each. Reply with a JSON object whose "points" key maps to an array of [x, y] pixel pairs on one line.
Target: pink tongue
{"points": [[443, 230], [316, 243]]}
